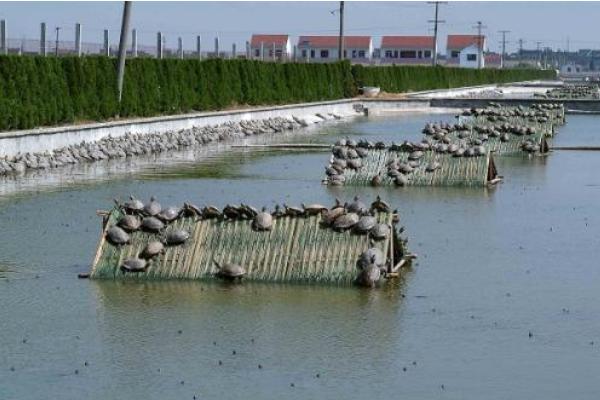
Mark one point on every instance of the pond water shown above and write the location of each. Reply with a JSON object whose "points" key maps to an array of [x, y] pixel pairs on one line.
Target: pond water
{"points": [[503, 301]]}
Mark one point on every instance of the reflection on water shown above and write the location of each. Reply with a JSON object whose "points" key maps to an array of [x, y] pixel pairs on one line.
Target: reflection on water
{"points": [[494, 265]]}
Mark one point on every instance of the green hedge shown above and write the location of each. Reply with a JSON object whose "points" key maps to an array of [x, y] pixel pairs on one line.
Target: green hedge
{"points": [[410, 78], [44, 91]]}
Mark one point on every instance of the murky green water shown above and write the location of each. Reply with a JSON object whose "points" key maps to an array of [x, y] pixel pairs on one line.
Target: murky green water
{"points": [[494, 265]]}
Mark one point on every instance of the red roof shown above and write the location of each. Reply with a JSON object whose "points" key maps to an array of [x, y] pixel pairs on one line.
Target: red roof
{"points": [[332, 41], [462, 41], [269, 40], [408, 42]]}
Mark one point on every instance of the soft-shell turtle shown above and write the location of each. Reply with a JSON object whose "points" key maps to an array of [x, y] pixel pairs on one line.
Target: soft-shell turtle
{"points": [[152, 249], [152, 224], [129, 223], [117, 236], [263, 221], [134, 265], [230, 271]]}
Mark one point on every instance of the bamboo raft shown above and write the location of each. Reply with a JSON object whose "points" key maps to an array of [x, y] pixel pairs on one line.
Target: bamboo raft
{"points": [[296, 249], [453, 171]]}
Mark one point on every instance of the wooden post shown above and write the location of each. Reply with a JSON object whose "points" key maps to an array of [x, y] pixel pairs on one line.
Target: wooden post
{"points": [[123, 47], [134, 46], [180, 47], [248, 50], [295, 53], [106, 43], [233, 51], [43, 39], [159, 45], [217, 46], [199, 47], [78, 39], [262, 51], [3, 38]]}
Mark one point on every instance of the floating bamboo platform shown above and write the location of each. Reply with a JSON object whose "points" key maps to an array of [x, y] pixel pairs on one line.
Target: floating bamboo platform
{"points": [[296, 249], [453, 171]]}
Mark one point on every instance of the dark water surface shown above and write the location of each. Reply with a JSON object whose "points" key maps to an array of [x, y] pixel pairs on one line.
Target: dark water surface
{"points": [[494, 266]]}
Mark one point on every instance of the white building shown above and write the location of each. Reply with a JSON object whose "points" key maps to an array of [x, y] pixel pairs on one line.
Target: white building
{"points": [[269, 47], [325, 48], [407, 49], [465, 50]]}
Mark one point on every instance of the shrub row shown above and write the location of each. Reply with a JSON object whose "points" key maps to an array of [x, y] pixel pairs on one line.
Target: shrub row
{"points": [[44, 91]]}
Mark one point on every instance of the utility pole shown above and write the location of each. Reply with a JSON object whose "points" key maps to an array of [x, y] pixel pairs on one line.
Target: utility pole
{"points": [[520, 50], [78, 39], [123, 46], [539, 55], [56, 49], [479, 27], [341, 38], [43, 39], [503, 32], [3, 37], [435, 21]]}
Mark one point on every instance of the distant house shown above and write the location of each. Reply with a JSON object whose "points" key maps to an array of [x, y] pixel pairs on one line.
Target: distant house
{"points": [[492, 60], [407, 49], [325, 48], [262, 47], [571, 69], [464, 50]]}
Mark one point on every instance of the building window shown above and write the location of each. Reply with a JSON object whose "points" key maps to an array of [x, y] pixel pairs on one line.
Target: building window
{"points": [[388, 54], [471, 57], [256, 53], [419, 54], [278, 53], [361, 54], [324, 53], [454, 53], [312, 53], [408, 54], [427, 54], [304, 53]]}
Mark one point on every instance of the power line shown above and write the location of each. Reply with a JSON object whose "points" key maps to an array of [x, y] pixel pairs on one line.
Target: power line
{"points": [[435, 22]]}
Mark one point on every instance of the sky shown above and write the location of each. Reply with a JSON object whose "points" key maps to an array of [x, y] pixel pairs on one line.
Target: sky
{"points": [[551, 23]]}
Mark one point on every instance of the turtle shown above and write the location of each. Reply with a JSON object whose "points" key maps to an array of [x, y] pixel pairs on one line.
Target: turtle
{"points": [[152, 224], [231, 212], [405, 168], [117, 236], [176, 237], [401, 180], [313, 209], [415, 155], [152, 249], [369, 276], [211, 212], [277, 213], [153, 207], [129, 223], [293, 211], [339, 162], [432, 166], [134, 265], [263, 221], [248, 212], [362, 152], [365, 224], [190, 210], [345, 221], [380, 232], [328, 217], [230, 271], [133, 205], [358, 207], [330, 171], [169, 214], [355, 163], [372, 255], [376, 180], [380, 205]]}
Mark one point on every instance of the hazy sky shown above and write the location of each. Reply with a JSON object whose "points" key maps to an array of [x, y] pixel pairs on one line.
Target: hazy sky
{"points": [[549, 22]]}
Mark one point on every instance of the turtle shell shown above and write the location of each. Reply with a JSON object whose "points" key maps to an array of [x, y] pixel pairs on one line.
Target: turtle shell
{"points": [[152, 224], [380, 231], [129, 223], [346, 221], [365, 224], [134, 265], [152, 249], [176, 237], [117, 236], [262, 222]]}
